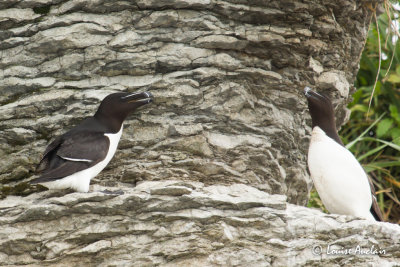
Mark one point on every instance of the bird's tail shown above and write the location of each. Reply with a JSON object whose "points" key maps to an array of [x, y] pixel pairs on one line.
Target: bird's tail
{"points": [[39, 180]]}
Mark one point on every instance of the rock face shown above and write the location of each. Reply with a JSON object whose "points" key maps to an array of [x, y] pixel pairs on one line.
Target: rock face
{"points": [[227, 77], [217, 157], [175, 223]]}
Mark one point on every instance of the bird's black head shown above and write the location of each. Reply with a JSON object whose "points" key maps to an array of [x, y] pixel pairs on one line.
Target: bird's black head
{"points": [[114, 108], [322, 113]]}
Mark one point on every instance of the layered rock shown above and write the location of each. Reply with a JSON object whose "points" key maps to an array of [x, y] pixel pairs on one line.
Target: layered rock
{"points": [[227, 77], [217, 158], [175, 223]]}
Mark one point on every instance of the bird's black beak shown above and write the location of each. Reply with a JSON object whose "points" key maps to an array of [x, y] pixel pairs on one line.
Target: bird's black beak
{"points": [[140, 98], [310, 93]]}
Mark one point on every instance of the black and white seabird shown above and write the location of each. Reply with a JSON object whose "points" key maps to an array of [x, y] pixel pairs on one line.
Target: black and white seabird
{"points": [[340, 180], [74, 158]]}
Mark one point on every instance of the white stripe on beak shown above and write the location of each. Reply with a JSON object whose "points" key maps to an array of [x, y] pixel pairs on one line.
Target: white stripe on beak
{"points": [[133, 94], [307, 90]]}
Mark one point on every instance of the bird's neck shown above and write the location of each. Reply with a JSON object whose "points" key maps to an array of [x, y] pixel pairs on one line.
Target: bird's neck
{"points": [[112, 124], [330, 130]]}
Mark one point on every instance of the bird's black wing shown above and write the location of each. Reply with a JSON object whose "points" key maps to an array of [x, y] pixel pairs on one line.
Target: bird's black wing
{"points": [[72, 153], [375, 210], [47, 155], [85, 146]]}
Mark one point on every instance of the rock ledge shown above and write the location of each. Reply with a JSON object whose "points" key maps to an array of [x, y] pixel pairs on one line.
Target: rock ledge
{"points": [[177, 223]]}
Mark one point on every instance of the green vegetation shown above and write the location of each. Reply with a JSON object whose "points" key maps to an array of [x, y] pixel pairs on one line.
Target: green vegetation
{"points": [[315, 201], [373, 133]]}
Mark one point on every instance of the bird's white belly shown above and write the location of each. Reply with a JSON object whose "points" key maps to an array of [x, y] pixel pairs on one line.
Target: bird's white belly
{"points": [[80, 181], [339, 179]]}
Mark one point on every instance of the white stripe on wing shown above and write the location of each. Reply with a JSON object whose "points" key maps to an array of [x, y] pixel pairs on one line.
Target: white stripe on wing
{"points": [[72, 159]]}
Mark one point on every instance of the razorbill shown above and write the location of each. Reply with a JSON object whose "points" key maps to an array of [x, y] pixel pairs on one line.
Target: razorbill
{"points": [[341, 182], [74, 158]]}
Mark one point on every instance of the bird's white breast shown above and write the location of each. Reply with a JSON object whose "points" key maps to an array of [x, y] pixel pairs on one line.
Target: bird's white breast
{"points": [[80, 181], [340, 180]]}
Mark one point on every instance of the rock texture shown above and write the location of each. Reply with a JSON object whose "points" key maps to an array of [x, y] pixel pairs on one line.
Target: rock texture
{"points": [[176, 223], [227, 77], [216, 159]]}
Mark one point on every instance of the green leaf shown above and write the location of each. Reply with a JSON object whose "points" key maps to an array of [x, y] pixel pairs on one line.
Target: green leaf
{"points": [[383, 164], [378, 88], [383, 127], [362, 81], [392, 145], [394, 78], [352, 143], [356, 97], [358, 107], [398, 70], [395, 134], [394, 113], [371, 152]]}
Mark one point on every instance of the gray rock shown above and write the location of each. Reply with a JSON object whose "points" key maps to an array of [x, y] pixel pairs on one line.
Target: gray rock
{"points": [[177, 54], [175, 223], [316, 66], [17, 15], [336, 80], [216, 159]]}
